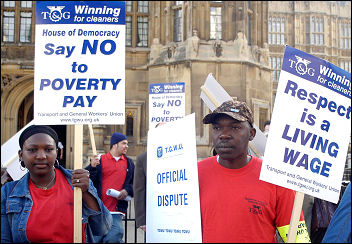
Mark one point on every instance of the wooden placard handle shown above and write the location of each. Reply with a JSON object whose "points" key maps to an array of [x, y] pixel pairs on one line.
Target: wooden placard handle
{"points": [[77, 205], [296, 213], [92, 140]]}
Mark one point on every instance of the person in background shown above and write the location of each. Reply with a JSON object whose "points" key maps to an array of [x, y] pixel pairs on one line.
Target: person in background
{"points": [[61, 150], [339, 229], [114, 170], [39, 207], [139, 186], [5, 176], [235, 205], [266, 127]]}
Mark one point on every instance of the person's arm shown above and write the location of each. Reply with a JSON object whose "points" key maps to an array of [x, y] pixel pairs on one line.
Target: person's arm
{"points": [[139, 187], [128, 185], [61, 153], [5, 177], [6, 236], [339, 229], [93, 171]]}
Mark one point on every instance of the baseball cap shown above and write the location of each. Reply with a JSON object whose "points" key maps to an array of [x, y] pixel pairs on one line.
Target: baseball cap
{"points": [[235, 109]]}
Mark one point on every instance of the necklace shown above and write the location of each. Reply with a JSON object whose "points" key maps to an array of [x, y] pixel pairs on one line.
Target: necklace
{"points": [[45, 187]]}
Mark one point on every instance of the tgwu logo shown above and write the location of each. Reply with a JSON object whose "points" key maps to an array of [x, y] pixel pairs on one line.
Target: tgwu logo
{"points": [[301, 66], [55, 13], [156, 89], [169, 151], [159, 152]]}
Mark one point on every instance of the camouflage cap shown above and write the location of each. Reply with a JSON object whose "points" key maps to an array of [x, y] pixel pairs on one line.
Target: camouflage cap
{"points": [[235, 109]]}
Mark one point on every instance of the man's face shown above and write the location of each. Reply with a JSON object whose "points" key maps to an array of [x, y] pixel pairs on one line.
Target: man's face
{"points": [[121, 147], [231, 137]]}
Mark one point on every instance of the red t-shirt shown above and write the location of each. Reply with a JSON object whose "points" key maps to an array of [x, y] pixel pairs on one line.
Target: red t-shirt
{"points": [[114, 175], [51, 217], [238, 207]]}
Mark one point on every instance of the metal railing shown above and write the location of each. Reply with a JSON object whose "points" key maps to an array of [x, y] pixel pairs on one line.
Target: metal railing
{"points": [[138, 235]]}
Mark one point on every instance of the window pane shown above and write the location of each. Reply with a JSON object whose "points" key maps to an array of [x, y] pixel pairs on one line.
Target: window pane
{"points": [[142, 6], [317, 25], [26, 4], [9, 4], [321, 29], [128, 31], [274, 38], [274, 24], [128, 6], [178, 25], [8, 27], [278, 25], [215, 23], [348, 30], [129, 126], [142, 31], [25, 28]]}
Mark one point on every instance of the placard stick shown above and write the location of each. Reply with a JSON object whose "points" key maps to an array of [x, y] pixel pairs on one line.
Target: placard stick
{"points": [[296, 213], [77, 205], [10, 161], [92, 141], [212, 99]]}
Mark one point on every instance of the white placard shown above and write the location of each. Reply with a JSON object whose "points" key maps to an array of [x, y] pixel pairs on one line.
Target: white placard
{"points": [[79, 75], [9, 155], [166, 102], [310, 127], [173, 206]]}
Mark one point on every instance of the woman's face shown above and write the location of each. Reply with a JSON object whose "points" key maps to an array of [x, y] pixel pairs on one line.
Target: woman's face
{"points": [[39, 153]]}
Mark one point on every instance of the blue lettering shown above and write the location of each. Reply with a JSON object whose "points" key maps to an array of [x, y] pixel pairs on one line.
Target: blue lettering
{"points": [[173, 199], [290, 156], [315, 169], [43, 83], [303, 162], [50, 50]]}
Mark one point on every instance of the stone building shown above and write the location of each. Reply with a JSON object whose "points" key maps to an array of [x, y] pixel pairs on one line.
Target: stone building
{"points": [[181, 41]]}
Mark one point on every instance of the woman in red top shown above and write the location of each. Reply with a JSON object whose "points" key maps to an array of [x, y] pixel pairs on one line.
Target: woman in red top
{"points": [[39, 206]]}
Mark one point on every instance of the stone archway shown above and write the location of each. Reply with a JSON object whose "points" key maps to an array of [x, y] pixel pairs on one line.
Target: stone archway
{"points": [[11, 100]]}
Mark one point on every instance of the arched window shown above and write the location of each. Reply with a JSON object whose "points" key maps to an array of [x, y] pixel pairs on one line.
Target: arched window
{"points": [[129, 124]]}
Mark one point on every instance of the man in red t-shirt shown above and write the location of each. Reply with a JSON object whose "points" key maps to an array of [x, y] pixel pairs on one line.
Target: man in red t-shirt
{"points": [[114, 171], [235, 205]]}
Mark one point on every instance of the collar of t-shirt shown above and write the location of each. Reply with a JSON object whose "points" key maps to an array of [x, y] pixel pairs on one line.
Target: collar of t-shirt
{"points": [[116, 158]]}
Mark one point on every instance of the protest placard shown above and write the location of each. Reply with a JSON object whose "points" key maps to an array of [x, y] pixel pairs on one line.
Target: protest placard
{"points": [[173, 206], [79, 75], [166, 102], [310, 127]]}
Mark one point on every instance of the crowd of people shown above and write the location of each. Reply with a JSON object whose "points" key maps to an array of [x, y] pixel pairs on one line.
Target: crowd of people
{"points": [[252, 211]]}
